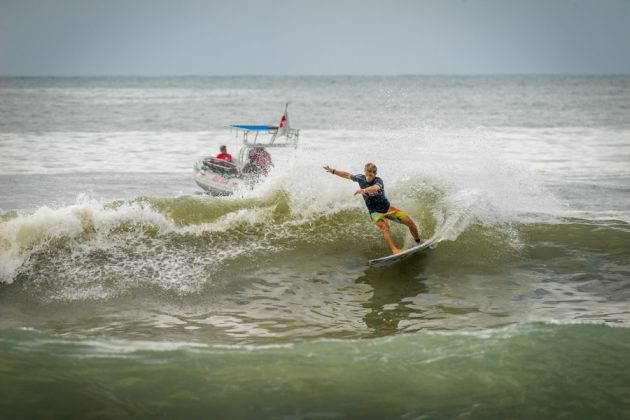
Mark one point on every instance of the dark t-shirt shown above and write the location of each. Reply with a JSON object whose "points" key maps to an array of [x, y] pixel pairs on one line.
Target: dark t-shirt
{"points": [[375, 201]]}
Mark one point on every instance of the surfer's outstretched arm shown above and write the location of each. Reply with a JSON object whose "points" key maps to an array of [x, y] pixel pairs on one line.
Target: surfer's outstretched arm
{"points": [[337, 172]]}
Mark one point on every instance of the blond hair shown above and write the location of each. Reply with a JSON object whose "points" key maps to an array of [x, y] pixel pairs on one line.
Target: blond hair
{"points": [[370, 167]]}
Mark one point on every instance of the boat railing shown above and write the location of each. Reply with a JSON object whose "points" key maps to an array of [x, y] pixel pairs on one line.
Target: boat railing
{"points": [[254, 138]]}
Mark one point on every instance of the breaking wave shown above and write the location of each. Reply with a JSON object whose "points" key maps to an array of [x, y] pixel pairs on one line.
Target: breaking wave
{"points": [[95, 250]]}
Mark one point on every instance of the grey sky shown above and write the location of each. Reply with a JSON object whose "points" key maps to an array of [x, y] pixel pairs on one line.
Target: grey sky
{"points": [[311, 37]]}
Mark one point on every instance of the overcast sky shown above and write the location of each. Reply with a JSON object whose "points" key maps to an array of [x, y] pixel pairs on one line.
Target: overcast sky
{"points": [[313, 37]]}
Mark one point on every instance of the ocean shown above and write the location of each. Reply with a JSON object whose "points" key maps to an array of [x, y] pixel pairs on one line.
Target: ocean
{"points": [[125, 291]]}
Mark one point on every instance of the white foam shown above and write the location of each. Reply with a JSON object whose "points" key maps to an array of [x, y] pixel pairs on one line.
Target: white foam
{"points": [[468, 172], [109, 249], [91, 225], [477, 180]]}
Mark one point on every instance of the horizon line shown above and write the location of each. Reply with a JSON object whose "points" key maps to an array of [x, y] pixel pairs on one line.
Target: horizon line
{"points": [[148, 76]]}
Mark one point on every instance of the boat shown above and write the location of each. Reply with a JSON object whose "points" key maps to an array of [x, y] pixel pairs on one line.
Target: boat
{"points": [[254, 161]]}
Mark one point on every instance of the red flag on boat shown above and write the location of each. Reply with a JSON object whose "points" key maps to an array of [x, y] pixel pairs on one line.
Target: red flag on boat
{"points": [[283, 127]]}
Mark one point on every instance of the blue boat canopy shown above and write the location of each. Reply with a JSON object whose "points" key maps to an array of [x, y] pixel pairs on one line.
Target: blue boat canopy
{"points": [[255, 127]]}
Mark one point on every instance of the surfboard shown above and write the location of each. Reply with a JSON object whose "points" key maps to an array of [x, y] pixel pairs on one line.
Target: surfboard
{"points": [[394, 258]]}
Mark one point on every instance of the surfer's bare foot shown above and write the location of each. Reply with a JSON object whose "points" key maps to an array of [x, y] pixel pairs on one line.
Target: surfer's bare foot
{"points": [[397, 251]]}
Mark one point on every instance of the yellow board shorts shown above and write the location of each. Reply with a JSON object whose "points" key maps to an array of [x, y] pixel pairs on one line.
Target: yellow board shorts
{"points": [[392, 214]]}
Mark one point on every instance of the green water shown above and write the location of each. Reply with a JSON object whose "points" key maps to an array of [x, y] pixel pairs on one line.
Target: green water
{"points": [[530, 371]]}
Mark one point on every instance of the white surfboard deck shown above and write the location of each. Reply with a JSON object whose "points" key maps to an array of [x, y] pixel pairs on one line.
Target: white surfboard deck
{"points": [[394, 258]]}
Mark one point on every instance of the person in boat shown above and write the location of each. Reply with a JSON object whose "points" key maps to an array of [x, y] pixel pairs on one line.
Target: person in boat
{"points": [[373, 191], [259, 161], [224, 155]]}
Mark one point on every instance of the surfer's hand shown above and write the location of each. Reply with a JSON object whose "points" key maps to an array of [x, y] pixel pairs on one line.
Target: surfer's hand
{"points": [[328, 169], [360, 191]]}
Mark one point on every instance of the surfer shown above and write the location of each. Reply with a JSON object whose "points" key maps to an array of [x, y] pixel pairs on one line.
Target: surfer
{"points": [[373, 192]]}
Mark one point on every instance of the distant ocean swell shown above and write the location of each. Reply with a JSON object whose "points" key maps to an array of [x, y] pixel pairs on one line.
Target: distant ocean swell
{"points": [[525, 371]]}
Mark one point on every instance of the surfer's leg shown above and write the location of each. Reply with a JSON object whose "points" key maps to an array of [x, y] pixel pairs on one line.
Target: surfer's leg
{"points": [[402, 217], [413, 229], [382, 225]]}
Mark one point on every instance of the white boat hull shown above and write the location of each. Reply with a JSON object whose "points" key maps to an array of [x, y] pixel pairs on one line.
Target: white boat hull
{"points": [[214, 182]]}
